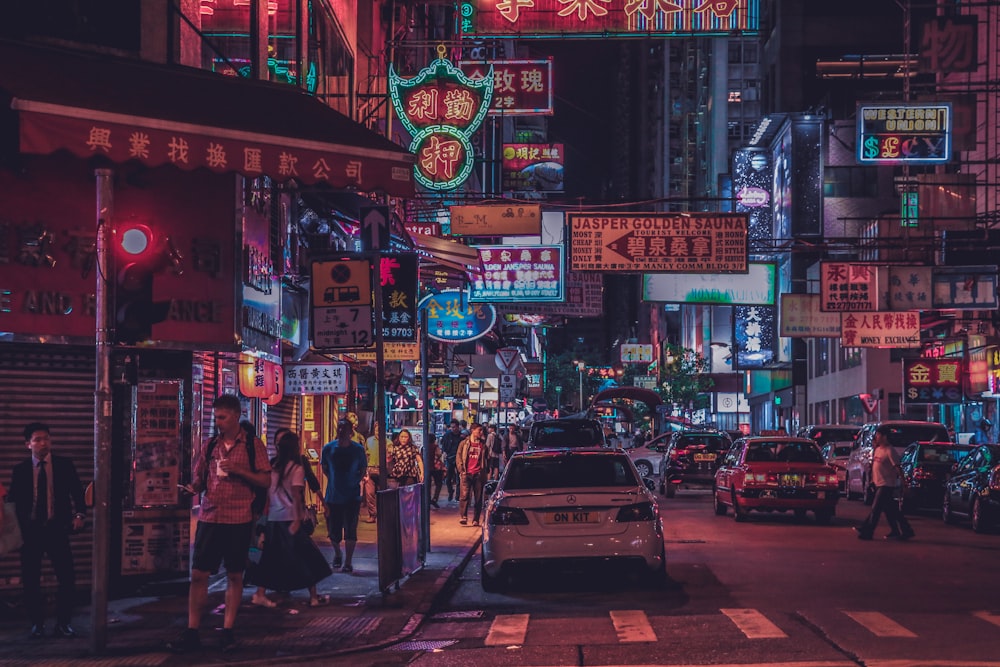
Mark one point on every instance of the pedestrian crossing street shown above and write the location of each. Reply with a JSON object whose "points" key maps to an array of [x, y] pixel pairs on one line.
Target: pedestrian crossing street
{"points": [[630, 626]]}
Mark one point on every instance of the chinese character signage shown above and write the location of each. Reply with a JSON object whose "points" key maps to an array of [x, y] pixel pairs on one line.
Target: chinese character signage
{"points": [[848, 287], [755, 336], [632, 353], [399, 297], [801, 318], [316, 379], [904, 133], [519, 274], [532, 167], [910, 287], [932, 380], [884, 329], [600, 18], [441, 108], [496, 220], [584, 298], [445, 386], [156, 453], [964, 288], [520, 87], [658, 242], [449, 317], [948, 44]]}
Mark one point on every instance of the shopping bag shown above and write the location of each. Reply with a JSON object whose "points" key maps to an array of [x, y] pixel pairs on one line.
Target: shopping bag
{"points": [[10, 530]]}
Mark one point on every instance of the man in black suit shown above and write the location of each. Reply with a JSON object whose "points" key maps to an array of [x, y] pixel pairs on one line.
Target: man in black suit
{"points": [[49, 500]]}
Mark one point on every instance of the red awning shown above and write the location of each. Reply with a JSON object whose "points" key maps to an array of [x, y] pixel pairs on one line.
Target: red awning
{"points": [[124, 110]]}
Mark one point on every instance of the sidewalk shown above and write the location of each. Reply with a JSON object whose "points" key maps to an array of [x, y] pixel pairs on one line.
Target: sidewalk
{"points": [[358, 616]]}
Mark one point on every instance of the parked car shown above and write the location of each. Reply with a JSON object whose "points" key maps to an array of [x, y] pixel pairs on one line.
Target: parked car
{"points": [[648, 457], [973, 490], [577, 505], [837, 455], [566, 432], [827, 433], [925, 466], [903, 432], [692, 457], [775, 474]]}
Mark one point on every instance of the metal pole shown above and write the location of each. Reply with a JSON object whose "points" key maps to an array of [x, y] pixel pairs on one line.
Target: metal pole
{"points": [[104, 341], [580, 369], [428, 427]]}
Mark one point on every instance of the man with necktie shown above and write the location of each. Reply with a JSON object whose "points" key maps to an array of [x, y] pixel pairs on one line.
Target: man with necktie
{"points": [[49, 501]]}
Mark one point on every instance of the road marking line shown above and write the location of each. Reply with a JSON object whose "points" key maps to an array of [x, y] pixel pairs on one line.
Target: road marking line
{"points": [[879, 624], [632, 626], [988, 617], [754, 624], [508, 629]]}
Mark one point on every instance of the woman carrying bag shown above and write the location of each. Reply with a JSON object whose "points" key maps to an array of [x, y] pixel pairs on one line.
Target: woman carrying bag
{"points": [[289, 559]]}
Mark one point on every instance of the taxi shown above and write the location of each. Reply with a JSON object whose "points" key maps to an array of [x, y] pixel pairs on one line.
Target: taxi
{"points": [[579, 505], [775, 474]]}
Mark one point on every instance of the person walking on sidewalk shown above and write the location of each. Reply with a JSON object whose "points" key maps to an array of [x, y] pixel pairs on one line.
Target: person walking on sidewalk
{"points": [[290, 560], [494, 450], [371, 480], [406, 463], [886, 474], [439, 465], [227, 476], [449, 444], [49, 503], [344, 464], [471, 462]]}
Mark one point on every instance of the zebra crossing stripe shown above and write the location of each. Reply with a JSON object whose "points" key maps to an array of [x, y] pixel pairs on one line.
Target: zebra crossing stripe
{"points": [[879, 624], [988, 617], [508, 630], [632, 626], [754, 624]]}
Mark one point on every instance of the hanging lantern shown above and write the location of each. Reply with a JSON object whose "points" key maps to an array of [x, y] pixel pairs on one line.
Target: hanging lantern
{"points": [[253, 378], [278, 388]]}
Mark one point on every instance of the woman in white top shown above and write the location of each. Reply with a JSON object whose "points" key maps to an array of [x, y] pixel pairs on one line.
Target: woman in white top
{"points": [[289, 560]]}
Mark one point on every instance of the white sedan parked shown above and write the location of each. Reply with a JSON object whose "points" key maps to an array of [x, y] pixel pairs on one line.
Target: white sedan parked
{"points": [[577, 505]]}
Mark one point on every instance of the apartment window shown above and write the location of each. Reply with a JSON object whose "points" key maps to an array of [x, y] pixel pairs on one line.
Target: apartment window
{"points": [[821, 358], [850, 357], [850, 182]]}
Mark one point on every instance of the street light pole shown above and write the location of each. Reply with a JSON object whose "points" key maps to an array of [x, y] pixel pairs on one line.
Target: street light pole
{"points": [[580, 365]]}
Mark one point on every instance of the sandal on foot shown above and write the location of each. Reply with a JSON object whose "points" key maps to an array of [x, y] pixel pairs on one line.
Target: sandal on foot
{"points": [[320, 601], [347, 568]]}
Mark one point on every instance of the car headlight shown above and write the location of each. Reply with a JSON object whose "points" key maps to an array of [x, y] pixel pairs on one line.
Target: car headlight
{"points": [[637, 512], [508, 516]]}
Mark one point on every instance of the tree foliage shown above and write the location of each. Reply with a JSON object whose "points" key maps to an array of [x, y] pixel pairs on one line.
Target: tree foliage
{"points": [[683, 376]]}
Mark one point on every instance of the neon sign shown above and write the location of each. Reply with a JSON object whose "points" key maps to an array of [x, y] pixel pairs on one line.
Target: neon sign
{"points": [[441, 108], [598, 18], [904, 132]]}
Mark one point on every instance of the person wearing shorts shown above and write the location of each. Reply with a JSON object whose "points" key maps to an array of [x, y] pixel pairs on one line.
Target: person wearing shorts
{"points": [[344, 465], [225, 520]]}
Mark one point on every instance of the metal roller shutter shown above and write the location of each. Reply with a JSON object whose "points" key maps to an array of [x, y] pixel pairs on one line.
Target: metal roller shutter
{"points": [[53, 384]]}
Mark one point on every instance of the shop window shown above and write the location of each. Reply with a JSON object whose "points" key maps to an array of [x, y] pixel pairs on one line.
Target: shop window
{"points": [[850, 182]]}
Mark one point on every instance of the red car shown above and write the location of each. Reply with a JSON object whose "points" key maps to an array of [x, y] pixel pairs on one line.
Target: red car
{"points": [[776, 474]]}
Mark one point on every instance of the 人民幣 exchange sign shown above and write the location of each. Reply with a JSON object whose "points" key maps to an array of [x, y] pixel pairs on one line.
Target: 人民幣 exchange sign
{"points": [[658, 242]]}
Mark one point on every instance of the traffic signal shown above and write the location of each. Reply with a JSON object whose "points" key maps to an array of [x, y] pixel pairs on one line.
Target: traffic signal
{"points": [[139, 256]]}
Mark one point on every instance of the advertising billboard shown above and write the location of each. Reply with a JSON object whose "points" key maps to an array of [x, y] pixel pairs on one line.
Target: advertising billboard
{"points": [[802, 318], [884, 329], [658, 242], [532, 167], [932, 381], [519, 274], [755, 288], [520, 87], [904, 132]]}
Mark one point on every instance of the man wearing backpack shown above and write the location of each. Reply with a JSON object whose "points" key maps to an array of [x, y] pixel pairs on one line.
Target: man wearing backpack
{"points": [[228, 470]]}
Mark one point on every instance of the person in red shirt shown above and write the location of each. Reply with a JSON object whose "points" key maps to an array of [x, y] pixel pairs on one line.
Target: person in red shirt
{"points": [[472, 465], [225, 519]]}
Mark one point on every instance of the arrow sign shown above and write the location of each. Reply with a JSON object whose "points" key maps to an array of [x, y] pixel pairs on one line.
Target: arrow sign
{"points": [[374, 227], [620, 245]]}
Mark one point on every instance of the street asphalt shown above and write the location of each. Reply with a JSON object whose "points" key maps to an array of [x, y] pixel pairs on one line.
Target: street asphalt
{"points": [[358, 616]]}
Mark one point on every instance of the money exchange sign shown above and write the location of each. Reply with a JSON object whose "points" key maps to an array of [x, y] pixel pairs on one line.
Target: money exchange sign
{"points": [[932, 380], [658, 242], [904, 132]]}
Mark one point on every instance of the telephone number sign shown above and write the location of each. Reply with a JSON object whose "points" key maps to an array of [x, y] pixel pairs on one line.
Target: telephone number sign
{"points": [[659, 243]]}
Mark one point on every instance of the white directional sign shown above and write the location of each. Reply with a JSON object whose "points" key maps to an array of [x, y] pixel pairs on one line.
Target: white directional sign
{"points": [[508, 387], [342, 326]]}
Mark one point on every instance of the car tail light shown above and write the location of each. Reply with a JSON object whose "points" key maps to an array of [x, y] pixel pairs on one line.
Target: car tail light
{"points": [[761, 479], [508, 516], [636, 512], [823, 479], [922, 473]]}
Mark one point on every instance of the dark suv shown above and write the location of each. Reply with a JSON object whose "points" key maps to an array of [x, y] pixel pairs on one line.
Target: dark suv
{"points": [[902, 434], [692, 456], [568, 432]]}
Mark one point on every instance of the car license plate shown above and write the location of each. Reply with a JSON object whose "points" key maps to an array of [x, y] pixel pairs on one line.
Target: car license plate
{"points": [[704, 457], [573, 517], [790, 480]]}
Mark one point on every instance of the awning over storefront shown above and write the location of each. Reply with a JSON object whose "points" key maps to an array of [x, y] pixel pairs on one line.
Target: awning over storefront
{"points": [[447, 253], [129, 110]]}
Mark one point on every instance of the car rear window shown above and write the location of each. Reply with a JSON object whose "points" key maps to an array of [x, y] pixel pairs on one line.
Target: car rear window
{"points": [[903, 436], [942, 454], [784, 452], [712, 443], [567, 435], [842, 450], [574, 470], [830, 434]]}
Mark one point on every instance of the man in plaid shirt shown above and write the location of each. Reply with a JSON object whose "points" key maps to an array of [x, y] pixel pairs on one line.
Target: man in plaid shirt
{"points": [[225, 520]]}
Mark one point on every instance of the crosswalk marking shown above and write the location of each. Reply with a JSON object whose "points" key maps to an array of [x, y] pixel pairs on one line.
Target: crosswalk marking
{"points": [[879, 624], [988, 617], [754, 624], [507, 630], [632, 626]]}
